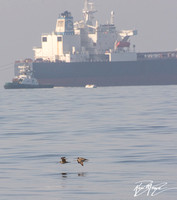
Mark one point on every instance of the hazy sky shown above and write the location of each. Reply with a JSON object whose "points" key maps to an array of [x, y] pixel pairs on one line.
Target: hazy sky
{"points": [[23, 21]]}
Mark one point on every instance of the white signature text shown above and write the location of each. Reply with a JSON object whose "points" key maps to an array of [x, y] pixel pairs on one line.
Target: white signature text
{"points": [[148, 187]]}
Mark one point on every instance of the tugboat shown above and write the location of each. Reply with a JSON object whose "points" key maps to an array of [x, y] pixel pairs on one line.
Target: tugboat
{"points": [[25, 80]]}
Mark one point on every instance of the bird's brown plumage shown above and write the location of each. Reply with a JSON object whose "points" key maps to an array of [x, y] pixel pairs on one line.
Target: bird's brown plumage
{"points": [[81, 160], [63, 160]]}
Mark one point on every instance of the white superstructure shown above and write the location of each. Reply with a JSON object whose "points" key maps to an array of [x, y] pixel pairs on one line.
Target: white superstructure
{"points": [[85, 40]]}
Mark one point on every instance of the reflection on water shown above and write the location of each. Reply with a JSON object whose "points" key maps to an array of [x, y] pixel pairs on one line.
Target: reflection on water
{"points": [[66, 175], [82, 174]]}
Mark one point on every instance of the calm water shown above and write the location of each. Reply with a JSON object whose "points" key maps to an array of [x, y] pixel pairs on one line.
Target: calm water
{"points": [[129, 134]]}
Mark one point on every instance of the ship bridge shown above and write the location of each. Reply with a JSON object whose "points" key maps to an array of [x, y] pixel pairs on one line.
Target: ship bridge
{"points": [[64, 24], [84, 40]]}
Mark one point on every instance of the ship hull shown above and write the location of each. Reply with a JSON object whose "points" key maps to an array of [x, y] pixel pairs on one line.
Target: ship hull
{"points": [[142, 72], [25, 86]]}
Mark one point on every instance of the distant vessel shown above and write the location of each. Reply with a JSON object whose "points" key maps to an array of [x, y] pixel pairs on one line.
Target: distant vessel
{"points": [[82, 52], [25, 80], [90, 86]]}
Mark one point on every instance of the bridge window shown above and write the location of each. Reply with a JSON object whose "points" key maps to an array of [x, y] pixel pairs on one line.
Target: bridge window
{"points": [[44, 39], [59, 39]]}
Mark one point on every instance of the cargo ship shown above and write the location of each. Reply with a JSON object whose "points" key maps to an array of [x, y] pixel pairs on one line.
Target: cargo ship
{"points": [[79, 53]]}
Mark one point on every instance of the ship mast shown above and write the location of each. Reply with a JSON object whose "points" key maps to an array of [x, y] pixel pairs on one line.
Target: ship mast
{"points": [[88, 12], [86, 5]]}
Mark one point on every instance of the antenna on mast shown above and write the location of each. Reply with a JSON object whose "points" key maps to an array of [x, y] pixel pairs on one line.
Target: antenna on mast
{"points": [[112, 17], [88, 12], [86, 5]]}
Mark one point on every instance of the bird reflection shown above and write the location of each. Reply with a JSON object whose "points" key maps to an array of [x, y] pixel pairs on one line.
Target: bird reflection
{"points": [[64, 175], [80, 174], [83, 174]]}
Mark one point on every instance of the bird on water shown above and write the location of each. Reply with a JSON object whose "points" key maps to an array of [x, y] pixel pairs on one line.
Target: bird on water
{"points": [[81, 160], [63, 160]]}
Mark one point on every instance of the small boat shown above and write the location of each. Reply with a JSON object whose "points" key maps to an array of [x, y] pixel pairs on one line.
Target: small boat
{"points": [[25, 80], [90, 86]]}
